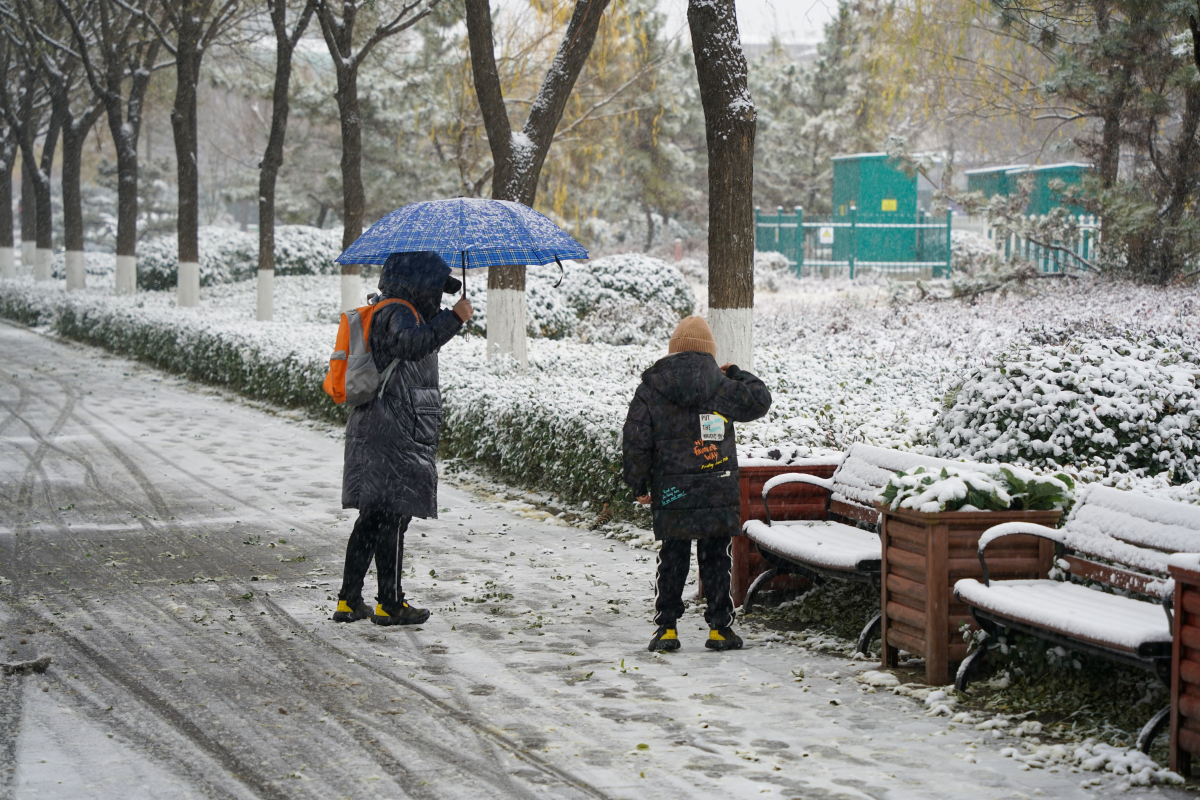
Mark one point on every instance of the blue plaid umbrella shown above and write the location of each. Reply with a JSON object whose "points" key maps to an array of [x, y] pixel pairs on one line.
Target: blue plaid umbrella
{"points": [[467, 233]]}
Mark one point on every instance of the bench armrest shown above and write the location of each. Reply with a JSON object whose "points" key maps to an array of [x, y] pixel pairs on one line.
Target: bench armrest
{"points": [[792, 477], [1016, 529], [1020, 529], [796, 477]]}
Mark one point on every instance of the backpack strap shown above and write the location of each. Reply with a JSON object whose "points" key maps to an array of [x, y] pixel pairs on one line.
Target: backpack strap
{"points": [[387, 372], [382, 303]]}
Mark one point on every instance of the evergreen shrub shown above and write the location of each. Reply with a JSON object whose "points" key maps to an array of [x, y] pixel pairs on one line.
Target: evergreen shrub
{"points": [[1106, 404], [225, 255]]}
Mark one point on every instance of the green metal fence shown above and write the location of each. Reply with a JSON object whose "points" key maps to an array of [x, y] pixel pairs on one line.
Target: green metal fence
{"points": [[857, 243]]}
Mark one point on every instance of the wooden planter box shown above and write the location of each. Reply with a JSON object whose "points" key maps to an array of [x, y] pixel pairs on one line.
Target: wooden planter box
{"points": [[790, 501], [1185, 667], [924, 555]]}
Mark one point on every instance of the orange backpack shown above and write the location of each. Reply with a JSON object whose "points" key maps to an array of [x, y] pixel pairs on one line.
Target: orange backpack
{"points": [[353, 378]]}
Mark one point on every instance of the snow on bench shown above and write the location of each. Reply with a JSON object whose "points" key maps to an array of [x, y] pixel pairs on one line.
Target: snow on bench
{"points": [[835, 547], [1112, 538]]}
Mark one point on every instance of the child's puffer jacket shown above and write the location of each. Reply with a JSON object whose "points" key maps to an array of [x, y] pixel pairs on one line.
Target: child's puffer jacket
{"points": [[679, 441]]}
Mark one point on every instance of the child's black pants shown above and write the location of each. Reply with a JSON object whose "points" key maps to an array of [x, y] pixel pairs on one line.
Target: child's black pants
{"points": [[378, 535], [716, 563]]}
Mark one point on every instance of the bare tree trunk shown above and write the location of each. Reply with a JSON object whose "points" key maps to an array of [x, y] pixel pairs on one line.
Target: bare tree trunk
{"points": [[729, 123], [268, 174], [74, 134], [40, 176], [28, 216], [339, 37], [188, 52], [8, 152], [518, 158], [353, 195]]}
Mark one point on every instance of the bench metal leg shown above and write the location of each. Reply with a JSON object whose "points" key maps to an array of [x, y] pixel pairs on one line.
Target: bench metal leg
{"points": [[1152, 728], [971, 663], [762, 578], [869, 633]]}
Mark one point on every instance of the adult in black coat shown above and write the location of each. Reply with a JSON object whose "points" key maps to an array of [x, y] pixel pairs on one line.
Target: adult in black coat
{"points": [[390, 472], [680, 457]]}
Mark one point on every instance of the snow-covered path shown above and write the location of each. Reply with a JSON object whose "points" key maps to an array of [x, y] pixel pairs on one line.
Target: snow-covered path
{"points": [[174, 550]]}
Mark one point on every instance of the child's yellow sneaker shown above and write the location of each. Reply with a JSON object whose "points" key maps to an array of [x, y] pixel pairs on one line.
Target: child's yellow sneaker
{"points": [[664, 639], [351, 611], [404, 615], [723, 639]]}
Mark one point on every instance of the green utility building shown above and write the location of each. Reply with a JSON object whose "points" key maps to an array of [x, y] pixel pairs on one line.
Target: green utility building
{"points": [[1042, 199], [876, 185], [992, 181], [874, 192]]}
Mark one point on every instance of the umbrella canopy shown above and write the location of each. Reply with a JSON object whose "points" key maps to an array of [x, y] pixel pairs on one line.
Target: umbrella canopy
{"points": [[466, 232]]}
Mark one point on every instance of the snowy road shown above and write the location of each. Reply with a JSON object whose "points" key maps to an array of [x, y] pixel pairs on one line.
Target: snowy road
{"points": [[174, 551]]}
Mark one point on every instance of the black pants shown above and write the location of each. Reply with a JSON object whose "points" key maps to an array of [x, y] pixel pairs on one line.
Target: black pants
{"points": [[716, 564], [378, 535]]}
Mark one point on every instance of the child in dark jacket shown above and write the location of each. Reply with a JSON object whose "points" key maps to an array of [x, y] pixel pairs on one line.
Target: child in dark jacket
{"points": [[680, 457]]}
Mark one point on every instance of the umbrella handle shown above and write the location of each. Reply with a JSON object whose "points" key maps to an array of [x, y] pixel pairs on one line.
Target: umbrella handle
{"points": [[561, 272], [464, 273]]}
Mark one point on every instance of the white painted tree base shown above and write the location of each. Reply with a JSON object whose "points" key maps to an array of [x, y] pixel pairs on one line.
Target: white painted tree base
{"points": [[352, 292], [187, 284], [41, 264], [125, 275], [76, 271], [733, 328], [28, 255], [8, 262], [266, 295], [506, 324]]}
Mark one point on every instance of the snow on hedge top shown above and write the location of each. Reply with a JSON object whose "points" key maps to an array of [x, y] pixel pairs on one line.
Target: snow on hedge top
{"points": [[225, 255], [632, 275], [1118, 404]]}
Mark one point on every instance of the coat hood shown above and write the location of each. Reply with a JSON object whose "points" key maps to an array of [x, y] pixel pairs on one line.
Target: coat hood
{"points": [[686, 379], [419, 278]]}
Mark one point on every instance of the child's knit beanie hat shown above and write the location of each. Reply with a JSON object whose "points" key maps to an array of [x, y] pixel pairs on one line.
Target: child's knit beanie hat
{"points": [[693, 336]]}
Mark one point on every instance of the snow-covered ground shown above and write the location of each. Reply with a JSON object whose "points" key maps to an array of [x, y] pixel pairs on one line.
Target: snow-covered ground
{"points": [[175, 550]]}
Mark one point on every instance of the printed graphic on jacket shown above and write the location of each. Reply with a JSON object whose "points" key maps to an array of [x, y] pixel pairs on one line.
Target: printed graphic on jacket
{"points": [[712, 427], [670, 495]]}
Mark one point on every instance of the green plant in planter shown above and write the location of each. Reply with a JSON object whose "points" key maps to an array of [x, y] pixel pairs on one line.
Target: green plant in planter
{"points": [[1000, 489]]}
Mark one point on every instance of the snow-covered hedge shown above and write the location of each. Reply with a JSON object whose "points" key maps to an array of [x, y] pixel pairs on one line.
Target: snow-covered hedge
{"points": [[225, 255], [547, 313], [772, 272], [305, 250], [624, 299], [1108, 405], [228, 255], [99, 265], [629, 276], [963, 489]]}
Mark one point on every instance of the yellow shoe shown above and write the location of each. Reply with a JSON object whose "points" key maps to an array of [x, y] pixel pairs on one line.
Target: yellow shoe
{"points": [[723, 639], [405, 615], [664, 639], [351, 612]]}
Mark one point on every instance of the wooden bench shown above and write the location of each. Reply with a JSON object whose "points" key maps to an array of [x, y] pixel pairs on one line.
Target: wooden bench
{"points": [[1111, 538], [793, 501], [843, 543]]}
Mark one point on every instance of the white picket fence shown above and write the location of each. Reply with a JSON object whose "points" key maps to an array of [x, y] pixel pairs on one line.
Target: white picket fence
{"points": [[1048, 257]]}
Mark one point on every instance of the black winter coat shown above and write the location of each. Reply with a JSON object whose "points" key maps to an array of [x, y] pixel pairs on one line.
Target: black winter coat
{"points": [[692, 473], [392, 441]]}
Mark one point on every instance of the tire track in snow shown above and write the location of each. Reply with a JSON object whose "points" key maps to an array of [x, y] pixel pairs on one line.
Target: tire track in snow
{"points": [[481, 728], [90, 659], [11, 702]]}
